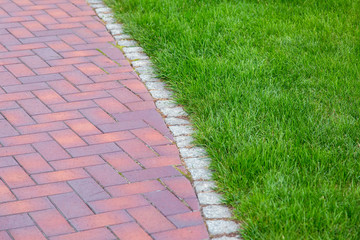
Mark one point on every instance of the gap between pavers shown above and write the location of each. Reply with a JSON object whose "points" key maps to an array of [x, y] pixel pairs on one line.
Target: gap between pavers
{"points": [[217, 216]]}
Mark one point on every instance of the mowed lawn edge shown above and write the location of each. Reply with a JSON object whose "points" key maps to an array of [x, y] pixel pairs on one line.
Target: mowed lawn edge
{"points": [[273, 89]]}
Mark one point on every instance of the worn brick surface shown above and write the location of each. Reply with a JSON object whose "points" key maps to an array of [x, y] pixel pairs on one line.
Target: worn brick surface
{"points": [[84, 153]]}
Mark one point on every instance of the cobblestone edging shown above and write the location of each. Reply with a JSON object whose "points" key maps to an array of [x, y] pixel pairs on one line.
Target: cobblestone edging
{"points": [[216, 215]]}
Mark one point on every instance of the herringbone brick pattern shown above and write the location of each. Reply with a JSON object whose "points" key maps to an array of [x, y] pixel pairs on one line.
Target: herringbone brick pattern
{"points": [[84, 154]]}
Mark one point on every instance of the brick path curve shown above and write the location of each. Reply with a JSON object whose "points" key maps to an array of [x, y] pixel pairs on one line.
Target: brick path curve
{"points": [[84, 154]]}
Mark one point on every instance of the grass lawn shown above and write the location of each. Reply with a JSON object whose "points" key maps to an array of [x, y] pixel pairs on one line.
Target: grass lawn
{"points": [[273, 88]]}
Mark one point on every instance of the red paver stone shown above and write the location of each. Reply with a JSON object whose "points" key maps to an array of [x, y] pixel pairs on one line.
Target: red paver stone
{"points": [[83, 127], [42, 190], [4, 236], [51, 150], [15, 221], [51, 222], [130, 231], [59, 176], [71, 205], [111, 105], [187, 219], [5, 194], [105, 175], [67, 138], [24, 206], [33, 163], [95, 234], [136, 149], [121, 161], [150, 136], [112, 204], [88, 189], [18, 117], [189, 233], [15, 177], [77, 162], [27, 233], [135, 188]]}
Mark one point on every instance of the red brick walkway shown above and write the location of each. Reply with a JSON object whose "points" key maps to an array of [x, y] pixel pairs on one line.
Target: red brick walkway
{"points": [[84, 154]]}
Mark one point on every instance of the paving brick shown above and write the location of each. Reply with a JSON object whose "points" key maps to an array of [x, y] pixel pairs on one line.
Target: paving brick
{"points": [[166, 202], [26, 46], [6, 129], [113, 77], [27, 233], [5, 193], [59, 176], [71, 205], [77, 162], [181, 186], [122, 126], [151, 219], [15, 150], [135, 188], [24, 206], [77, 77], [150, 136], [57, 13], [58, 116], [72, 106], [151, 173], [49, 96], [63, 87], [111, 105], [41, 78], [7, 78], [67, 138], [41, 190], [106, 175], [85, 96], [136, 149], [51, 150], [71, 39], [130, 231], [93, 149], [94, 234], [33, 163], [15, 177], [124, 95], [33, 26], [20, 32], [56, 69], [67, 61], [113, 204], [88, 189], [121, 161], [90, 69], [25, 139], [47, 54], [34, 106], [97, 116], [187, 219], [43, 127], [142, 105], [99, 86], [7, 161], [135, 86], [18, 117], [45, 19], [189, 233], [51, 222], [15, 221], [59, 46], [108, 137], [100, 220], [83, 127], [15, 96], [160, 161]]}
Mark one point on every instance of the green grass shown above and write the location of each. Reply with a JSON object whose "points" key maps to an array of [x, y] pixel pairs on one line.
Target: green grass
{"points": [[273, 88]]}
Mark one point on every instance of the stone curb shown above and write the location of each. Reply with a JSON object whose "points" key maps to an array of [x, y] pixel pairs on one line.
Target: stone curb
{"points": [[217, 216]]}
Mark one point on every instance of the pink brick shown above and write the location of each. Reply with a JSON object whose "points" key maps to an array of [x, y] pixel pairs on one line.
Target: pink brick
{"points": [[5, 194], [72, 39], [34, 106], [18, 117], [97, 116], [160, 161], [88, 189], [167, 150], [63, 87], [25, 87], [56, 69], [67, 138], [94, 234], [181, 186], [108, 137], [44, 127], [130, 231], [142, 105], [4, 236], [151, 173], [71, 205], [124, 95], [15, 177], [111, 105], [150, 136], [77, 162], [93, 149], [25, 139], [51, 222], [100, 220], [151, 219], [60, 176], [49, 96], [7, 161], [59, 46], [6, 129], [90, 69], [135, 86], [7, 78], [113, 204], [136, 149], [114, 77], [189, 233], [76, 77], [135, 188], [58, 116], [187, 219], [47, 54], [42, 190], [121, 161], [99, 86], [33, 26], [57, 13], [86, 96], [15, 221], [103, 61], [105, 175], [68, 61], [24, 206], [51, 150], [26, 46], [45, 19], [83, 127], [15, 96], [33, 163], [72, 106], [166, 202], [15, 150], [20, 32], [27, 233]]}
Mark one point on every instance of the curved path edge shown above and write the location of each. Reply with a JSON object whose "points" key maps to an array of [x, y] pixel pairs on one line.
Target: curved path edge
{"points": [[217, 216]]}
